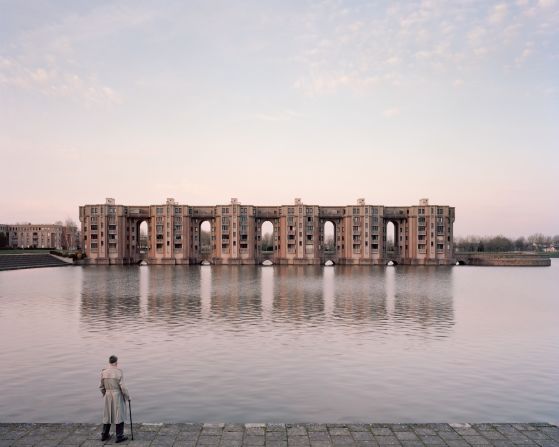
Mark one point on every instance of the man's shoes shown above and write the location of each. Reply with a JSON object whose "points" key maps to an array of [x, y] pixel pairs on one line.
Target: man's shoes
{"points": [[121, 439], [105, 437]]}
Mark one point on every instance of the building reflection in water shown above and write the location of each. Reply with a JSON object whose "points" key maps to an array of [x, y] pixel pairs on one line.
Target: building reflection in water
{"points": [[298, 294], [360, 294], [415, 299], [424, 296], [109, 300]]}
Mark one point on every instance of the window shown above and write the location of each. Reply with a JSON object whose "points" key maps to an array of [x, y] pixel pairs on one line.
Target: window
{"points": [[356, 211], [225, 228], [159, 210], [309, 210], [225, 220], [177, 210], [224, 210], [356, 221], [290, 210], [374, 228], [178, 220], [421, 211], [375, 211], [440, 247], [243, 210], [421, 246], [440, 229], [440, 211]]}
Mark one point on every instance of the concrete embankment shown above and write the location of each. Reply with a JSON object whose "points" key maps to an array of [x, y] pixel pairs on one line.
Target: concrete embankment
{"points": [[30, 261], [286, 435], [503, 259]]}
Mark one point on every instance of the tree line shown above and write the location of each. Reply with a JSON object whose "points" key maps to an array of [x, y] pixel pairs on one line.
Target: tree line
{"points": [[534, 242]]}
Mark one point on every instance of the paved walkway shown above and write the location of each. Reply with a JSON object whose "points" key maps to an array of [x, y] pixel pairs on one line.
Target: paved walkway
{"points": [[288, 435]]}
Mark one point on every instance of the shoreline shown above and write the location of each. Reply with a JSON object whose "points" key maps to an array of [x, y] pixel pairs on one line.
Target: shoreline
{"points": [[536, 434]]}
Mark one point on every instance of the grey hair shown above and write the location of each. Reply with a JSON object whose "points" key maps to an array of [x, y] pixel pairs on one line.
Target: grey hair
{"points": [[113, 359]]}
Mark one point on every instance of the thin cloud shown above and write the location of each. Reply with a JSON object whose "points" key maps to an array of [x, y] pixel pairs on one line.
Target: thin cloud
{"points": [[391, 112]]}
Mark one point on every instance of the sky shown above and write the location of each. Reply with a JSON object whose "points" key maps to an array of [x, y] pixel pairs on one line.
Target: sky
{"points": [[328, 101]]}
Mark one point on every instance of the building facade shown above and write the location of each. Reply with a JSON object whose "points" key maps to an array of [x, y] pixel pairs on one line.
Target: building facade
{"points": [[363, 234]]}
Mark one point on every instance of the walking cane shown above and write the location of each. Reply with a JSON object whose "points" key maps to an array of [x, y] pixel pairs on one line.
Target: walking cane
{"points": [[130, 410]]}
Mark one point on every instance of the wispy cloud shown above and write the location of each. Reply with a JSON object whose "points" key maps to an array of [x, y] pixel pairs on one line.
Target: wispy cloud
{"points": [[54, 82], [363, 47], [49, 59]]}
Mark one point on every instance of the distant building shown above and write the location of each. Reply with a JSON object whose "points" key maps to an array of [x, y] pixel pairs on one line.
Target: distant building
{"points": [[58, 237], [420, 234]]}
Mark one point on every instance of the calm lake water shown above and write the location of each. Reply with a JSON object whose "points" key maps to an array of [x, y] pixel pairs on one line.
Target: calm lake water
{"points": [[283, 344]]}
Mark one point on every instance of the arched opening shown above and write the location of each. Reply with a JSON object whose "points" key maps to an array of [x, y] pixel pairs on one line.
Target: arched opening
{"points": [[267, 238], [206, 238], [329, 240], [391, 263], [390, 238], [141, 240]]}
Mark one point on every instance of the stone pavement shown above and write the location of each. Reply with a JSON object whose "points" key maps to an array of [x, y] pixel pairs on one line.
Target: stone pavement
{"points": [[288, 435]]}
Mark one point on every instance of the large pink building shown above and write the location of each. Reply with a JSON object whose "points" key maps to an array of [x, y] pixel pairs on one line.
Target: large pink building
{"points": [[421, 234]]}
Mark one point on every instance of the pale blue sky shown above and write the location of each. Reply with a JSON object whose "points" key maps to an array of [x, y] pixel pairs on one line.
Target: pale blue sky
{"points": [[267, 101]]}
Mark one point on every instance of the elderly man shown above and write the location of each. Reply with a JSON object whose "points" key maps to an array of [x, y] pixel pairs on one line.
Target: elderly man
{"points": [[114, 392]]}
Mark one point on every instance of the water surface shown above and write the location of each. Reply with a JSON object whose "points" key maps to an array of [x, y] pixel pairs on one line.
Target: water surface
{"points": [[283, 344]]}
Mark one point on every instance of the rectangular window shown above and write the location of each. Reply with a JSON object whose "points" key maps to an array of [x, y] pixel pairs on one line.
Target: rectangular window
{"points": [[290, 210], [309, 210], [421, 246], [440, 247], [440, 211], [356, 211], [159, 210]]}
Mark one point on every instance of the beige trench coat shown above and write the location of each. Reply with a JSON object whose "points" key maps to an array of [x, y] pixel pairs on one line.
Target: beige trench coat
{"points": [[114, 391]]}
